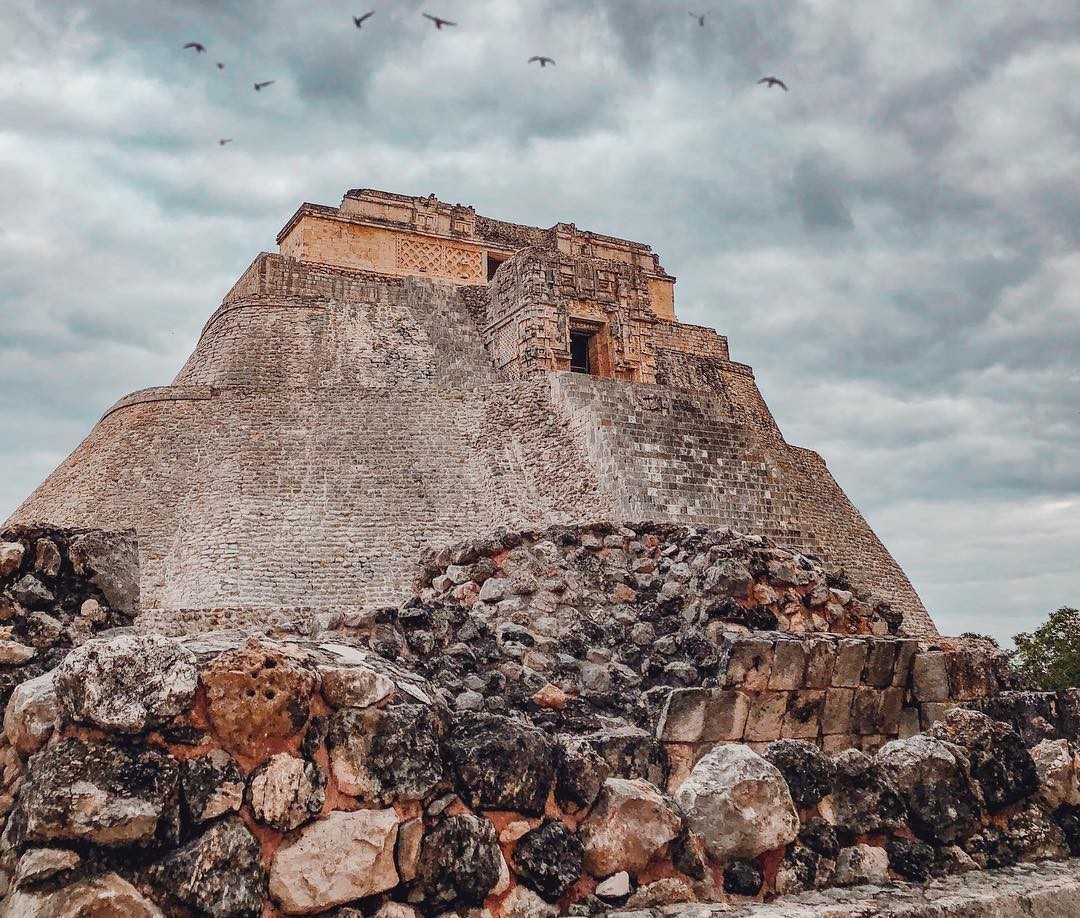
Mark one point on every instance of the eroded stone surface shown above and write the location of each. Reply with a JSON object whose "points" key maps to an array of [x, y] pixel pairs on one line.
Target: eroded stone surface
{"points": [[33, 712], [212, 784], [549, 859], [104, 896], [459, 864], [739, 803], [285, 792], [127, 683], [342, 857], [806, 769], [630, 822]]}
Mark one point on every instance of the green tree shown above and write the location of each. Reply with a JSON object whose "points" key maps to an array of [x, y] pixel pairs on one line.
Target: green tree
{"points": [[1050, 655]]}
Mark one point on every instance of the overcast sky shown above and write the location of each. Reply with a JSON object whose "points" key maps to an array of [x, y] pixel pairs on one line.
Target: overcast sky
{"points": [[892, 244]]}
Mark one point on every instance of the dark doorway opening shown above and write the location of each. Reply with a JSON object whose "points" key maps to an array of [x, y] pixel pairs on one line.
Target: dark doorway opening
{"points": [[493, 262], [579, 352]]}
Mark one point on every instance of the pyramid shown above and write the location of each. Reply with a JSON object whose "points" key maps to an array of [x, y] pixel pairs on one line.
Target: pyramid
{"points": [[406, 374]]}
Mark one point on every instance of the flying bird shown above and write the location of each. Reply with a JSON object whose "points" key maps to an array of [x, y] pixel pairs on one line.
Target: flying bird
{"points": [[544, 61], [359, 20], [772, 81], [224, 140], [200, 49], [439, 23], [259, 86], [220, 66], [700, 17]]}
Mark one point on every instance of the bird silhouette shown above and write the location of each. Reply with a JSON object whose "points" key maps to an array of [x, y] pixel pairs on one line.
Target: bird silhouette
{"points": [[544, 61], [772, 81], [220, 66], [439, 23], [259, 86], [224, 140], [359, 20], [700, 17], [200, 49]]}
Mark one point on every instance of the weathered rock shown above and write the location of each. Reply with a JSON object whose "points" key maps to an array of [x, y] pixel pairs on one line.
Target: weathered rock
{"points": [[285, 792], [12, 653], [32, 593], [549, 859], [615, 887], [663, 892], [930, 677], [1035, 836], [38, 864], [631, 752], [112, 562], [11, 556], [864, 797], [913, 860], [40, 630], [100, 793], [103, 896], [797, 871], [342, 857], [743, 878], [998, 758], [1068, 818], [387, 754], [407, 849], [501, 763], [212, 784], [1059, 782], [861, 864], [33, 712], [820, 837], [47, 558], [629, 823], [580, 772], [522, 902], [220, 872], [739, 803], [459, 864], [354, 686], [127, 683], [806, 769], [256, 694], [933, 781]]}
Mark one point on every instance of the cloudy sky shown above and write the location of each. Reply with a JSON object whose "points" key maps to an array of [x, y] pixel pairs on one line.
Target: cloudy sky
{"points": [[892, 244]]}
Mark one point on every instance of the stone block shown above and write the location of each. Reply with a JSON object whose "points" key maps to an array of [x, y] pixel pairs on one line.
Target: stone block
{"points": [[930, 677], [866, 710], [746, 663], [971, 675], [835, 742], [904, 655], [726, 715], [803, 717], [850, 658], [880, 663], [820, 663], [892, 707], [683, 718], [1068, 713], [933, 711], [789, 666], [909, 722], [766, 717], [836, 715]]}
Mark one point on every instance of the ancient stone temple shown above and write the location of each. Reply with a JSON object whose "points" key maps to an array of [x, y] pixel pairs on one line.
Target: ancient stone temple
{"points": [[454, 576], [409, 373]]}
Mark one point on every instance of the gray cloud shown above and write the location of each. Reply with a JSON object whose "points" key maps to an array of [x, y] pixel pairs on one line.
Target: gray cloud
{"points": [[891, 244]]}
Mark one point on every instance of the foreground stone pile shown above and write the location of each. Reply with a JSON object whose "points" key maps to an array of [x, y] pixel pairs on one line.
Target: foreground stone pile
{"points": [[235, 777]]}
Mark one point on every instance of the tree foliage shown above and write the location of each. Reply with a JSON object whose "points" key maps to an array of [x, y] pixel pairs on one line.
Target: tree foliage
{"points": [[1050, 655]]}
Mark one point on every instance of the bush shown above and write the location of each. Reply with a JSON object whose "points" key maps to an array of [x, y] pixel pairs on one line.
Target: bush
{"points": [[1050, 655]]}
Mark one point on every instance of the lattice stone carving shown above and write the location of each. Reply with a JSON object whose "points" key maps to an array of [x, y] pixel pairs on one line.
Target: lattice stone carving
{"points": [[438, 259]]}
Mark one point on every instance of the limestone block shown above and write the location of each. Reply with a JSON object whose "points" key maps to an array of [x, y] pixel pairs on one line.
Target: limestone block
{"points": [[892, 706], [866, 710], [285, 792], [684, 714], [342, 857], [789, 666], [747, 664], [861, 864], [630, 822], [802, 719], [765, 719], [836, 714], [11, 556], [930, 677], [821, 660], [105, 894], [970, 676], [726, 716], [33, 712], [354, 686], [1059, 783], [850, 658], [905, 654], [880, 663]]}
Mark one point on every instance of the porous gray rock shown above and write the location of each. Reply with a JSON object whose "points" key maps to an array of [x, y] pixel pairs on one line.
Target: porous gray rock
{"points": [[580, 772], [387, 754], [997, 756], [111, 560], [629, 823], [630, 752], [212, 784], [127, 683], [806, 769], [864, 797], [220, 872], [100, 793], [501, 763], [32, 593], [933, 780], [739, 803], [913, 860], [285, 792], [459, 865], [861, 864], [342, 857], [549, 859], [743, 878]]}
